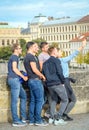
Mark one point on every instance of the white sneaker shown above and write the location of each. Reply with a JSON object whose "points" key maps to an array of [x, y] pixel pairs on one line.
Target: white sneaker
{"points": [[60, 121], [51, 121], [19, 124], [41, 124]]}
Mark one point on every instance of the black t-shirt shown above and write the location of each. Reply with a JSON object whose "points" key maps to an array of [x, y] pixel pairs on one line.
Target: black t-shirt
{"points": [[11, 73], [31, 58]]}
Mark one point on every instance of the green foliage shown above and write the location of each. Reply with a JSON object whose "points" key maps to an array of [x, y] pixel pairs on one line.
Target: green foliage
{"points": [[86, 58], [38, 40], [80, 58], [55, 44], [23, 45], [5, 52]]}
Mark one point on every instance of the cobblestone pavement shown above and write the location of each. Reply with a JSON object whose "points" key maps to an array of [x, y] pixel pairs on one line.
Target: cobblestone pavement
{"points": [[80, 122]]}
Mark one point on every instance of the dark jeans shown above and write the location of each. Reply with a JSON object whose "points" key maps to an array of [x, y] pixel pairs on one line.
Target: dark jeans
{"points": [[36, 100]]}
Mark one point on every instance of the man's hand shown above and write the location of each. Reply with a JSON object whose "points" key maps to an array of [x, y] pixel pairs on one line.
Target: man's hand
{"points": [[25, 78], [42, 77]]}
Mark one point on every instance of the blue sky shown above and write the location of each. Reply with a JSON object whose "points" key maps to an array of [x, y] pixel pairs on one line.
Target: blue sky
{"points": [[20, 12]]}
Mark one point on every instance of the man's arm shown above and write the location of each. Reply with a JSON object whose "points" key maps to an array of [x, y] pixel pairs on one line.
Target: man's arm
{"points": [[36, 71], [16, 70], [41, 65], [82, 46], [75, 53]]}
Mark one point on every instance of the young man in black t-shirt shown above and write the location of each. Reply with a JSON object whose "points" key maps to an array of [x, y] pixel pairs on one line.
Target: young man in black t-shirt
{"points": [[32, 67]]}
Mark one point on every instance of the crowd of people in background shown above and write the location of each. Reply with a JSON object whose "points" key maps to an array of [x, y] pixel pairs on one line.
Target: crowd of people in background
{"points": [[48, 81]]}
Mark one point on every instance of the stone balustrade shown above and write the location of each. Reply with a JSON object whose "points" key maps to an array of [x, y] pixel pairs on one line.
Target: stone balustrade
{"points": [[81, 88]]}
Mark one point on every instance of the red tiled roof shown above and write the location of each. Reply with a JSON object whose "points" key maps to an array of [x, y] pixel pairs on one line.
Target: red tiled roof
{"points": [[84, 19], [86, 35]]}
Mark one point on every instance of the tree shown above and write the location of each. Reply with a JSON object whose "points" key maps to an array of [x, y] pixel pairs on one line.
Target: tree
{"points": [[5, 52], [80, 58], [23, 45], [86, 58], [39, 40], [55, 44]]}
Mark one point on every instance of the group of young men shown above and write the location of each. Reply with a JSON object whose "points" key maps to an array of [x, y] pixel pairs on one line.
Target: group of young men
{"points": [[47, 72]]}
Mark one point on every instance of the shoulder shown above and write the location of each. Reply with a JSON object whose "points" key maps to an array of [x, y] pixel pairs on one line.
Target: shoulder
{"points": [[14, 58]]}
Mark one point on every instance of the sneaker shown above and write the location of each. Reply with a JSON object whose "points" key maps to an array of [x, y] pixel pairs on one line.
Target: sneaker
{"points": [[25, 121], [60, 121], [31, 124], [51, 120], [41, 124], [65, 117], [18, 124]]}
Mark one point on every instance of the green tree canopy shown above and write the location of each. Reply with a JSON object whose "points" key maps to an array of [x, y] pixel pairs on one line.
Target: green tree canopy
{"points": [[86, 58], [23, 45], [80, 58], [5, 52]]}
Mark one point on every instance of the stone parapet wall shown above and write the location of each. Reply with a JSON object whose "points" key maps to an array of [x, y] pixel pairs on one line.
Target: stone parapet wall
{"points": [[81, 88]]}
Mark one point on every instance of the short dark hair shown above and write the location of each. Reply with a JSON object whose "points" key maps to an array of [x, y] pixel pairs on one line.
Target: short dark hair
{"points": [[29, 44], [15, 46], [42, 44]]}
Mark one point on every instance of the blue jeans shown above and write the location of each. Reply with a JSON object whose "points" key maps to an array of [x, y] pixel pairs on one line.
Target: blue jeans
{"points": [[17, 92], [36, 100]]}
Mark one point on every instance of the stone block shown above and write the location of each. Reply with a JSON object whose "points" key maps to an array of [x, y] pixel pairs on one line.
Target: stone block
{"points": [[4, 99], [5, 115], [80, 107]]}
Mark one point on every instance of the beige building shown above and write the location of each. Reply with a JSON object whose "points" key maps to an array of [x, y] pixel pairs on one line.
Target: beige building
{"points": [[76, 43], [60, 30], [8, 34]]}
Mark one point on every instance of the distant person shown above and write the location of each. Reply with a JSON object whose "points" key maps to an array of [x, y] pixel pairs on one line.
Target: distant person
{"points": [[17, 90], [35, 85], [55, 83], [70, 92]]}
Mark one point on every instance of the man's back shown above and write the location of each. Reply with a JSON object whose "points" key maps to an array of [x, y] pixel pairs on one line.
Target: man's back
{"points": [[53, 71]]}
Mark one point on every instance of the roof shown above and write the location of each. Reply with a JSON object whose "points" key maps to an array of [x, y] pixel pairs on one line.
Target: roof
{"points": [[84, 19], [39, 19], [77, 39], [61, 21], [6, 26], [25, 31]]}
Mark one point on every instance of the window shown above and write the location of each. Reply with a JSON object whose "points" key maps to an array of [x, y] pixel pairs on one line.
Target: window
{"points": [[8, 42], [3, 42], [12, 41]]}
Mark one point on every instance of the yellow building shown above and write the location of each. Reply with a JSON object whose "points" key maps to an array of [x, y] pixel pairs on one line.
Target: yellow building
{"points": [[8, 34]]}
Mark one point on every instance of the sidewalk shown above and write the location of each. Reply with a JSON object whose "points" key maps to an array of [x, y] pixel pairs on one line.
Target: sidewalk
{"points": [[80, 122]]}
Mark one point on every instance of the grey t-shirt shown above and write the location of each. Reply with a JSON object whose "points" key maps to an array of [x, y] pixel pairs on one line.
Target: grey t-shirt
{"points": [[43, 57]]}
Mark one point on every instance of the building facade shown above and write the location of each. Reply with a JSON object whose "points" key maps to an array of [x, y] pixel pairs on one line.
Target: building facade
{"points": [[59, 31], [53, 30], [8, 34]]}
